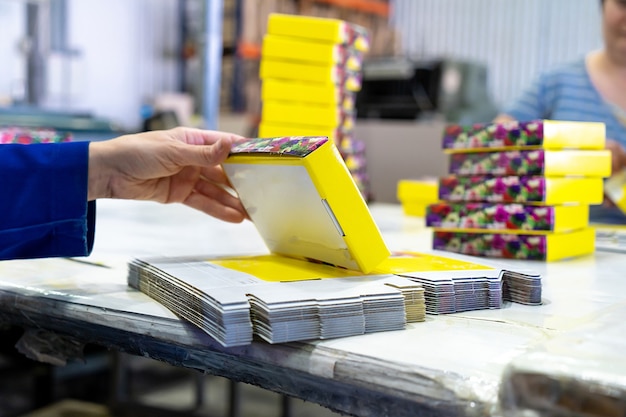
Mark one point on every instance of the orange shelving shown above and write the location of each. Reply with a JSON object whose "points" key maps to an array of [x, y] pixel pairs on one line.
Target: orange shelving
{"points": [[379, 7]]}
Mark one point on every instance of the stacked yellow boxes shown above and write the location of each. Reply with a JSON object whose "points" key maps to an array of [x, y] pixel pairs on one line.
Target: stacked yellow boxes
{"points": [[520, 189], [310, 72]]}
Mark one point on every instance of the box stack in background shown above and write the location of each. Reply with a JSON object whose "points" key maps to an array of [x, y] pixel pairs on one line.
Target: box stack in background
{"points": [[370, 14], [520, 189], [310, 72]]}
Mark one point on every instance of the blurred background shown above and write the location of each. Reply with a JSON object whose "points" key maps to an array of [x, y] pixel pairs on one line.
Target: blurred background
{"points": [[119, 61]]}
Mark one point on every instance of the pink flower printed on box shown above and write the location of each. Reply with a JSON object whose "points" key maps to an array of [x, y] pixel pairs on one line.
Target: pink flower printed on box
{"points": [[530, 162], [285, 145], [493, 135]]}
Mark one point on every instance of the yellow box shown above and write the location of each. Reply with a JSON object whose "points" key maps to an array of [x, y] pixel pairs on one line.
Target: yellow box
{"points": [[320, 29], [507, 217], [522, 189], [536, 134], [578, 163], [324, 74], [311, 53], [303, 201], [540, 247], [301, 113], [314, 93], [416, 195]]}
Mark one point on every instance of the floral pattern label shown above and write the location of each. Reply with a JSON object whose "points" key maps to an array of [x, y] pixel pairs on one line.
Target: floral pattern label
{"points": [[494, 135], [510, 246], [27, 136], [507, 189], [284, 145], [490, 216], [531, 162]]}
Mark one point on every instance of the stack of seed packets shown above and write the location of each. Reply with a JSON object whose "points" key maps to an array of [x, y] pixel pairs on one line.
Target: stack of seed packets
{"points": [[311, 71], [520, 189]]}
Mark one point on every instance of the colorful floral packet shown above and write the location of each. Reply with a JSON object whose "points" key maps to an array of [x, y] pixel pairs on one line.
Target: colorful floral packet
{"points": [[512, 217]]}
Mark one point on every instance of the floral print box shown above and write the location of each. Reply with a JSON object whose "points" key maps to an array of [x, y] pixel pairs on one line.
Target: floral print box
{"points": [[521, 189], [547, 134], [585, 163], [506, 217], [546, 247]]}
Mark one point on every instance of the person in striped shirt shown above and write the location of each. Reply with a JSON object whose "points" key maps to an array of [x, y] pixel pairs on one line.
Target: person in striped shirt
{"points": [[589, 89]]}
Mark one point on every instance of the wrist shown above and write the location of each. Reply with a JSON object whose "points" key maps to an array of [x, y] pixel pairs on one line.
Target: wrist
{"points": [[97, 183]]}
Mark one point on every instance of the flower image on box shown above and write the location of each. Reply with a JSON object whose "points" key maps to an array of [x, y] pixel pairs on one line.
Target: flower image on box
{"points": [[495, 245], [507, 217], [493, 135]]}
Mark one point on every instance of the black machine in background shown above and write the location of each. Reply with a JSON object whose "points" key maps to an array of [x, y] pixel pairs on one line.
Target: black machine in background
{"points": [[400, 88]]}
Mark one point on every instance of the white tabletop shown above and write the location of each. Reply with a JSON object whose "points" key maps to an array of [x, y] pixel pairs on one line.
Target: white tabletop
{"points": [[474, 363]]}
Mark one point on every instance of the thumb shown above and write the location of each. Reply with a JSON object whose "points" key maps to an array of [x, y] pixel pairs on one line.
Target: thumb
{"points": [[203, 155]]}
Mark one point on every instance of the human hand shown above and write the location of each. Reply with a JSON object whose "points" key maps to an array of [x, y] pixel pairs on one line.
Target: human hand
{"points": [[618, 156], [180, 165]]}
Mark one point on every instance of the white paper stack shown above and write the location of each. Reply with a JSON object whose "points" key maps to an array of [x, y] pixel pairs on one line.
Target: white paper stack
{"points": [[456, 291], [522, 288], [414, 301], [280, 314], [233, 306], [200, 292]]}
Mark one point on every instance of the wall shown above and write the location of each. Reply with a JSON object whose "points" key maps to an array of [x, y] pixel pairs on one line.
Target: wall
{"points": [[12, 70], [125, 56], [516, 39], [123, 53]]}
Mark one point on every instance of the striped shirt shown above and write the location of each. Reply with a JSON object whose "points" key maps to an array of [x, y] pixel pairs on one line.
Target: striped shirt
{"points": [[567, 93]]}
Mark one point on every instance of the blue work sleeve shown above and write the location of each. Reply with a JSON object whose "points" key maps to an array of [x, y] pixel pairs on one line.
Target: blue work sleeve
{"points": [[43, 201]]}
